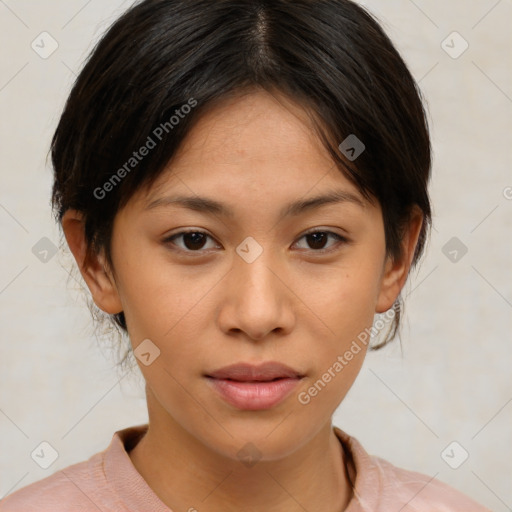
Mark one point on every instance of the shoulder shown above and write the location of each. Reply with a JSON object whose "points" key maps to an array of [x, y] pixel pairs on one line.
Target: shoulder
{"points": [[379, 486], [418, 492], [103, 482], [73, 488]]}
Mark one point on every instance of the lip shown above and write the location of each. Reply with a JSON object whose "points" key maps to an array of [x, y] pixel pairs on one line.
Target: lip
{"points": [[244, 372], [251, 387]]}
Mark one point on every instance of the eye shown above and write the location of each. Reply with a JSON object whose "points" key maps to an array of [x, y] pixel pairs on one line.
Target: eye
{"points": [[317, 239], [193, 241]]}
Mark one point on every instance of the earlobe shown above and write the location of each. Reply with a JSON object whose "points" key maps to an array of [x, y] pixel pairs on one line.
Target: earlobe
{"points": [[93, 269], [396, 271]]}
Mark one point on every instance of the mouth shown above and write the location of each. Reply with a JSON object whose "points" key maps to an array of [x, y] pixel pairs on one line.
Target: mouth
{"points": [[251, 381], [264, 372], [254, 395], [250, 387]]}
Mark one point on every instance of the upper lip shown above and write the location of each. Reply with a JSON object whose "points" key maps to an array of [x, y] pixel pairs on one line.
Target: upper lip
{"points": [[248, 372]]}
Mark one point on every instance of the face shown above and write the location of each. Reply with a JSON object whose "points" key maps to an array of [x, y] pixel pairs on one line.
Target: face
{"points": [[249, 280]]}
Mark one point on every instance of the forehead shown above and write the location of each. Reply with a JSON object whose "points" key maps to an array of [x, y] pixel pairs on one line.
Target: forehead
{"points": [[256, 125], [255, 142]]}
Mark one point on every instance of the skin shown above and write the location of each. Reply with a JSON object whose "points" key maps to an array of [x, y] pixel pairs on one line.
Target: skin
{"points": [[205, 310]]}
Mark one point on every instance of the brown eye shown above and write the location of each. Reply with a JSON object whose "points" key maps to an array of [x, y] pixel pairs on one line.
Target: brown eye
{"points": [[193, 241], [317, 240]]}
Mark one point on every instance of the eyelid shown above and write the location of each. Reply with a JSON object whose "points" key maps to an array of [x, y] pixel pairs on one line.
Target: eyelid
{"points": [[169, 239], [342, 240], [323, 230]]}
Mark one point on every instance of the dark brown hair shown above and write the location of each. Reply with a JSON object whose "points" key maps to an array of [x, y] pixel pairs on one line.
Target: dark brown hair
{"points": [[329, 56]]}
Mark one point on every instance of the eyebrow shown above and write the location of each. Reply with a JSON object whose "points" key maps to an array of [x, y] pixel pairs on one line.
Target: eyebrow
{"points": [[211, 206]]}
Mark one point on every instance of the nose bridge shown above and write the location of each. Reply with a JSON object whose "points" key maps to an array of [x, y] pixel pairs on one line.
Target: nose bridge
{"points": [[257, 297], [252, 267]]}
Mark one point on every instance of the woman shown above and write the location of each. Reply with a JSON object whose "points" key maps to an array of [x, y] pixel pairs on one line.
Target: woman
{"points": [[244, 186]]}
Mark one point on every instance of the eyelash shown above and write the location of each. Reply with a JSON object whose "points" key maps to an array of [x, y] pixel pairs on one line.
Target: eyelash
{"points": [[342, 240]]}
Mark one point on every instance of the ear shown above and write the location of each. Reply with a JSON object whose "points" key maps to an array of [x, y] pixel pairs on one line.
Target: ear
{"points": [[395, 272], [98, 277]]}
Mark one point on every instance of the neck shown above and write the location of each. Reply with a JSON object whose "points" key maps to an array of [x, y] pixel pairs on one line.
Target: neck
{"points": [[188, 475]]}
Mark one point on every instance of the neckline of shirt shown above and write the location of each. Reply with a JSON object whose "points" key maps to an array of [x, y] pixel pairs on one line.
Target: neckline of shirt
{"points": [[134, 492]]}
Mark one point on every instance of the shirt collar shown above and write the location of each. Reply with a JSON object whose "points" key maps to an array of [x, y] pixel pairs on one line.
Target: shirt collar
{"points": [[134, 492]]}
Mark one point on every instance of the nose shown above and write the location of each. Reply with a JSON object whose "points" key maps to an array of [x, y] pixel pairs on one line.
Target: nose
{"points": [[257, 298]]}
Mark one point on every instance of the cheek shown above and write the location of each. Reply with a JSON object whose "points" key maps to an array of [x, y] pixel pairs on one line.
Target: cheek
{"points": [[156, 295], [346, 308], [165, 304], [348, 297]]}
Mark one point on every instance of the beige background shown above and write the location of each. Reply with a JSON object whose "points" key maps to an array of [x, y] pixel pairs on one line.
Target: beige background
{"points": [[453, 381]]}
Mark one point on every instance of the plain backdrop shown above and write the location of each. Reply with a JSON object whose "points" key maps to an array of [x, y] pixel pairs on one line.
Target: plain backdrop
{"points": [[452, 381]]}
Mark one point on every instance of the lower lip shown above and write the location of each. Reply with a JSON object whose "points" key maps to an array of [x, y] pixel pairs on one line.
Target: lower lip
{"points": [[254, 396]]}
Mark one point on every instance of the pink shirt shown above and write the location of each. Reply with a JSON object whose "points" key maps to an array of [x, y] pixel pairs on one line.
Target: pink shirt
{"points": [[109, 482]]}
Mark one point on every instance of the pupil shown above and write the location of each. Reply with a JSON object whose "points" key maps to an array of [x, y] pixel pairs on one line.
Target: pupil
{"points": [[195, 239], [317, 237]]}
